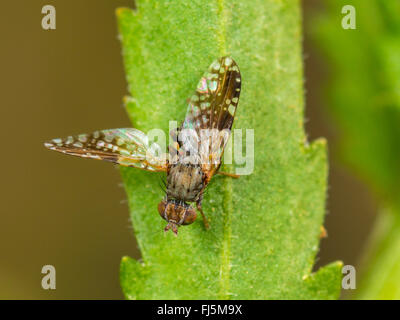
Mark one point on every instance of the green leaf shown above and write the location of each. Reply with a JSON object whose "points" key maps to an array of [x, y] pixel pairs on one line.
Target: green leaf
{"points": [[264, 227], [364, 98], [381, 274]]}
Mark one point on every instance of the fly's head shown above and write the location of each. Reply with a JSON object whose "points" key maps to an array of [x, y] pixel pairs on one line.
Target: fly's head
{"points": [[176, 213]]}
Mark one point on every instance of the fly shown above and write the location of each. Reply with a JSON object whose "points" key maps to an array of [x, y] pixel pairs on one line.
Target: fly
{"points": [[193, 159]]}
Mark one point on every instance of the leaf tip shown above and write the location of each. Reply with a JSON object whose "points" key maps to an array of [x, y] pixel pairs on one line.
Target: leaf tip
{"points": [[325, 283]]}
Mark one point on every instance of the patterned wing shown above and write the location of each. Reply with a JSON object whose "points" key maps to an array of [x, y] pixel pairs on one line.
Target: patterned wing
{"points": [[213, 107], [127, 147]]}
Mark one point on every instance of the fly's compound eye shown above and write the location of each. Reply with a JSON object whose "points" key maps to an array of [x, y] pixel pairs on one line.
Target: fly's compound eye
{"points": [[190, 216], [161, 209]]}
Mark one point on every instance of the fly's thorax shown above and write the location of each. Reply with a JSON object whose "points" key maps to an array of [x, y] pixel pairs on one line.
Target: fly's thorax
{"points": [[176, 212], [184, 181]]}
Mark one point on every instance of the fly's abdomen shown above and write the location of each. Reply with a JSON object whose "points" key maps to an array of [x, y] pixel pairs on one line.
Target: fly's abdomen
{"points": [[184, 182]]}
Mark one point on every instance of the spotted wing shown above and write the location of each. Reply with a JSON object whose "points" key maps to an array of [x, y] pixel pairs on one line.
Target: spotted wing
{"points": [[213, 107], [127, 147]]}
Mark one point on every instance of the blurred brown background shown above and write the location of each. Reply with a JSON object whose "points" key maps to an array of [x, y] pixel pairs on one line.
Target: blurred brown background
{"points": [[70, 212]]}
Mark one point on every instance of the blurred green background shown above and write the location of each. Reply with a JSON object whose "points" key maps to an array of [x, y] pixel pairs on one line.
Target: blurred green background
{"points": [[71, 213]]}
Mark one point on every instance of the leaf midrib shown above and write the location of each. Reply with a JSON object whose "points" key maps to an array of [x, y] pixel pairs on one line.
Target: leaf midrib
{"points": [[225, 268]]}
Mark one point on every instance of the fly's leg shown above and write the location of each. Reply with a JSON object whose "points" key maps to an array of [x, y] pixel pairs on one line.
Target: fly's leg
{"points": [[198, 203], [206, 224], [232, 175]]}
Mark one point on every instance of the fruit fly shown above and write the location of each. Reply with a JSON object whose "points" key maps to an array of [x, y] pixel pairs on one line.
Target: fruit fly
{"points": [[193, 159]]}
